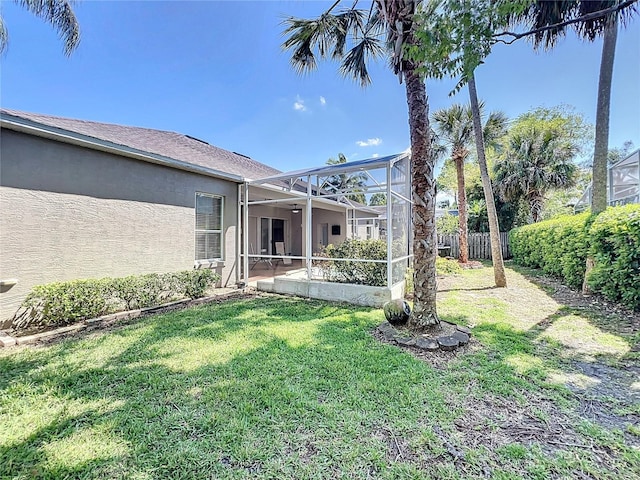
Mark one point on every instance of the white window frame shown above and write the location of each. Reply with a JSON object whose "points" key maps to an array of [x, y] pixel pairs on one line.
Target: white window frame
{"points": [[197, 230]]}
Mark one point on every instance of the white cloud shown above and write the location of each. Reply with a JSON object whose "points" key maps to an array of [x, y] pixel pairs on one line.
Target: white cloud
{"points": [[375, 155], [371, 142], [299, 105], [323, 101]]}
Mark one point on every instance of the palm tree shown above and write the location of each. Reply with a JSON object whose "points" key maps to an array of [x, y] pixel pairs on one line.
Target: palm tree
{"points": [[354, 183], [499, 275], [593, 18], [536, 159], [454, 126], [328, 36], [56, 12]]}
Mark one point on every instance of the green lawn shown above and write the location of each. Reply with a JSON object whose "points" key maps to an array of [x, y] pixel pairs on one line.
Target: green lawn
{"points": [[282, 388]]}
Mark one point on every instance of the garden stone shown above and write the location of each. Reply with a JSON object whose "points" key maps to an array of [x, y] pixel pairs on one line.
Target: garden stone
{"points": [[462, 337], [462, 329], [427, 344], [385, 327], [406, 341], [397, 312], [448, 343], [390, 334]]}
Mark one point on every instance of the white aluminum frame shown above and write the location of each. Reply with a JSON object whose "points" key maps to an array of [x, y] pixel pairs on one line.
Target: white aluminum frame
{"points": [[310, 194]]}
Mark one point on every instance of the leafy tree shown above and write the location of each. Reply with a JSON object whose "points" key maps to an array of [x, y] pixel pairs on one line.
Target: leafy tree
{"points": [[538, 157], [448, 224], [362, 30], [617, 154], [590, 19], [353, 185], [378, 199], [454, 126], [562, 202], [58, 13], [456, 39]]}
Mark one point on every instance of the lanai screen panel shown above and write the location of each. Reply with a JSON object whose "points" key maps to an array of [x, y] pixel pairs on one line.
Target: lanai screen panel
{"points": [[624, 178], [400, 222]]}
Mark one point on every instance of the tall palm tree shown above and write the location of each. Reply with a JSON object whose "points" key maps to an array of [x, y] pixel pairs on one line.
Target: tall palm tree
{"points": [[59, 13], [328, 36], [536, 159], [541, 15], [352, 183], [499, 275], [454, 126]]}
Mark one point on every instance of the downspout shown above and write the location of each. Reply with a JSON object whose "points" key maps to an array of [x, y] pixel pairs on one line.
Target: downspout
{"points": [[238, 234], [245, 235]]}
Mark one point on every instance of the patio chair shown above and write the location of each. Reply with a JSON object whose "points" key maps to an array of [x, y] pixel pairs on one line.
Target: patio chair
{"points": [[257, 260], [281, 251]]}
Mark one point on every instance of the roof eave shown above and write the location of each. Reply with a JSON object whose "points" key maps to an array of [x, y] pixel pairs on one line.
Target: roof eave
{"points": [[19, 124]]}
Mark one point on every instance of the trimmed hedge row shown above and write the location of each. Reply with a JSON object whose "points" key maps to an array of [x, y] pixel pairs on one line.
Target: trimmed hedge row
{"points": [[615, 243], [64, 303], [560, 247]]}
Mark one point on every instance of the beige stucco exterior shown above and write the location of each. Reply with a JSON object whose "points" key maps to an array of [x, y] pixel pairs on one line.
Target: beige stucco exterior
{"points": [[69, 212]]}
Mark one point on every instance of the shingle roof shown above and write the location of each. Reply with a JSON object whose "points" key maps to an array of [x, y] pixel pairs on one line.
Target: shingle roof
{"points": [[168, 144]]}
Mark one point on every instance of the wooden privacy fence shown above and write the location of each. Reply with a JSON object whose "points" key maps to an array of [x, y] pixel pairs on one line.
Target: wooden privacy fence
{"points": [[479, 245]]}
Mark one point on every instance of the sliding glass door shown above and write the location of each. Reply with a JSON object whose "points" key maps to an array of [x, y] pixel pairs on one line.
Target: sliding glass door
{"points": [[272, 230]]}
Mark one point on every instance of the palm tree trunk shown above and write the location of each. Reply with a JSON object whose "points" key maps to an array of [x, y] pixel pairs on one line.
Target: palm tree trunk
{"points": [[424, 314], [599, 189], [494, 228], [601, 147], [536, 201], [462, 209]]}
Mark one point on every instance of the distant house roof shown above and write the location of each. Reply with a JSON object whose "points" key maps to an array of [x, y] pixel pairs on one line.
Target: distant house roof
{"points": [[158, 146]]}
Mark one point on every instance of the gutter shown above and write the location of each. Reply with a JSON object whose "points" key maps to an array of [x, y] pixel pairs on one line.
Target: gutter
{"points": [[19, 124]]}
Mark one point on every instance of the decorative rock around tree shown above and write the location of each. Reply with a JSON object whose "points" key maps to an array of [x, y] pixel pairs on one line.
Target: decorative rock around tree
{"points": [[397, 312]]}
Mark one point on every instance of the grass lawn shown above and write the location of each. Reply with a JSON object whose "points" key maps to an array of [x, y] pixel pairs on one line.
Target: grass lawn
{"points": [[281, 388]]}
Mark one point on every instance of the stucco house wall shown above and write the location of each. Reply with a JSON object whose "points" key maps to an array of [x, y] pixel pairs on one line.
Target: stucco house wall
{"points": [[70, 212], [330, 218]]}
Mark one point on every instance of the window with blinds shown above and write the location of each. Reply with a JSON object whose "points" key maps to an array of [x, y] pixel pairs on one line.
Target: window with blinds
{"points": [[208, 226]]}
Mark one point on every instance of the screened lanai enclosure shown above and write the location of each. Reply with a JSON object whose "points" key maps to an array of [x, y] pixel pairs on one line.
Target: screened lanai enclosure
{"points": [[337, 232], [623, 183]]}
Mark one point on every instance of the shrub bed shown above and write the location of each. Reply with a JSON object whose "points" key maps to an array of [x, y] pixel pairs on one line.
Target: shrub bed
{"points": [[63, 303], [560, 247]]}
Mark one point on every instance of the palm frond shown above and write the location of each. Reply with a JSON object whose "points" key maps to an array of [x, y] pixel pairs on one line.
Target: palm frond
{"points": [[355, 62], [60, 15], [4, 36]]}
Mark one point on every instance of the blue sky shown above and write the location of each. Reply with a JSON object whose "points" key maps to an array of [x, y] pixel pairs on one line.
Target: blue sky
{"points": [[215, 70]]}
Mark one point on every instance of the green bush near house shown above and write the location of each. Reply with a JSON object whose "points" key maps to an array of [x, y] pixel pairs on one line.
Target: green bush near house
{"points": [[560, 247], [63, 303], [350, 271]]}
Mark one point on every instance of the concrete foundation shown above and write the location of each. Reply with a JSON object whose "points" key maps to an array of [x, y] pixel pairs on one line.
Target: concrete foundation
{"points": [[337, 292]]}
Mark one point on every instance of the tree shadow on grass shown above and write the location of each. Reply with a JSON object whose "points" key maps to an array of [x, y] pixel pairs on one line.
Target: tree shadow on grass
{"points": [[277, 409]]}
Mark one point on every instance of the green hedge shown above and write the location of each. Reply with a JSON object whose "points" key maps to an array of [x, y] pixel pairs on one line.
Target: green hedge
{"points": [[348, 271], [560, 247], [64, 303], [615, 243]]}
